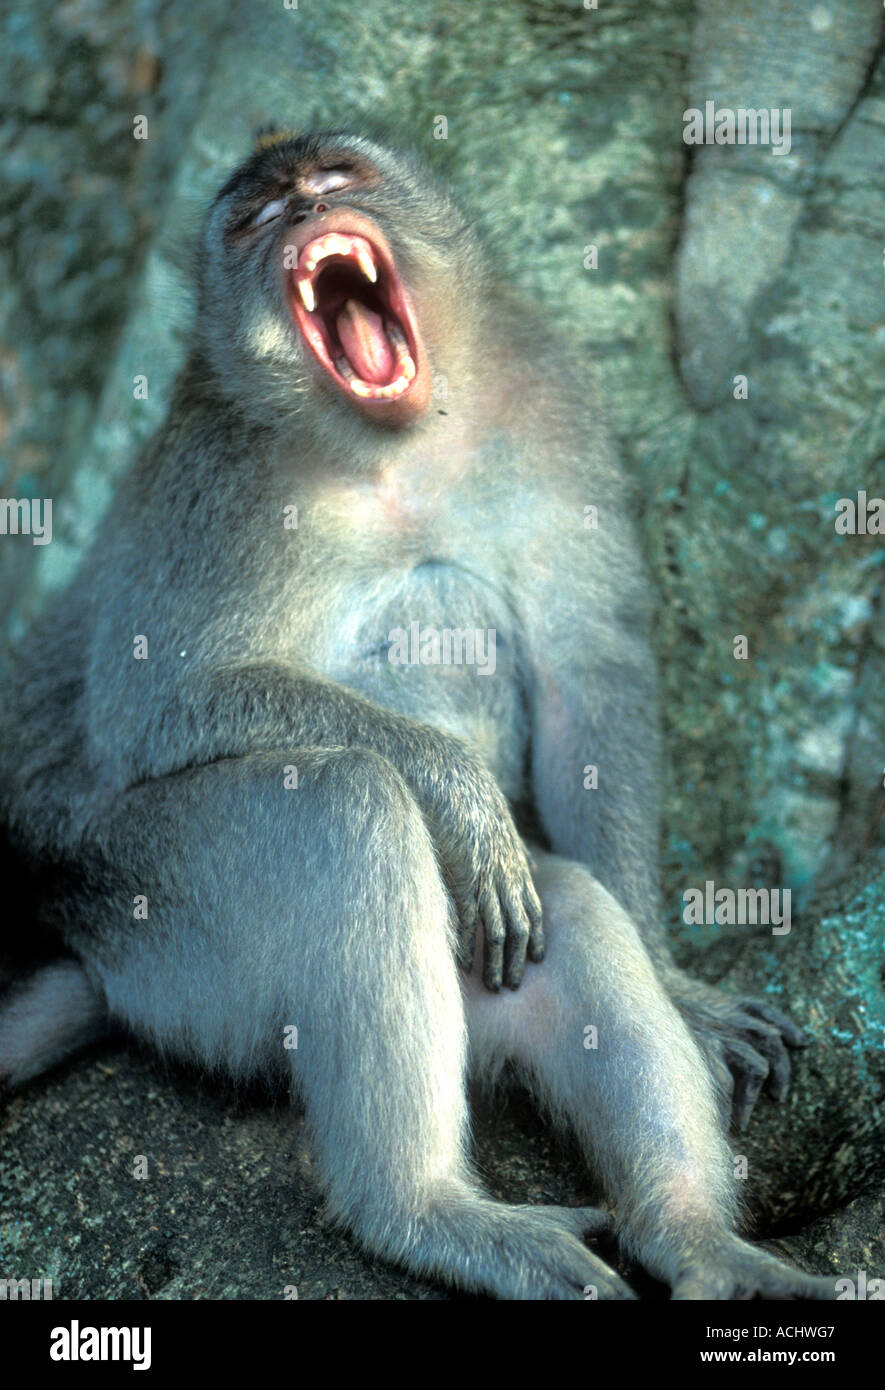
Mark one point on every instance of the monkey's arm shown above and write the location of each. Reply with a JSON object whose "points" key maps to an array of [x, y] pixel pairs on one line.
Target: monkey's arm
{"points": [[232, 711]]}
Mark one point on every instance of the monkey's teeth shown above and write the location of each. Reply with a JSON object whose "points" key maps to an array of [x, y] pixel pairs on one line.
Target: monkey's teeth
{"points": [[334, 244], [365, 390], [365, 263], [308, 298], [406, 362], [395, 388], [358, 251]]}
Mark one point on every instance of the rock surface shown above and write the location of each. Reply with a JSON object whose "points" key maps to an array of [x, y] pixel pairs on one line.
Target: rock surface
{"points": [[564, 130]]}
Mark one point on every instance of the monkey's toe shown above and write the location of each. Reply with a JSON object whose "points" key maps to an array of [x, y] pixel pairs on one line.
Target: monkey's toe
{"points": [[746, 1042], [762, 1008], [736, 1270], [749, 1072], [547, 1248]]}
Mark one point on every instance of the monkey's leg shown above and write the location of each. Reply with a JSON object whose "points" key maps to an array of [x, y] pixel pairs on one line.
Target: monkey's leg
{"points": [[322, 909], [640, 1097], [608, 704], [46, 1017]]}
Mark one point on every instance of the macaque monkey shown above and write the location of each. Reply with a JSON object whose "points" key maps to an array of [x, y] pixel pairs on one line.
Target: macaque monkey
{"points": [[258, 795]]}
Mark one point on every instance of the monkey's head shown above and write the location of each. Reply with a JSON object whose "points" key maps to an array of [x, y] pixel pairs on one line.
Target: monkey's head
{"points": [[332, 278]]}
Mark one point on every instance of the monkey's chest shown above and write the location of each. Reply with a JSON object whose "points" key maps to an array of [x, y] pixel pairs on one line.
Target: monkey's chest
{"points": [[437, 644]]}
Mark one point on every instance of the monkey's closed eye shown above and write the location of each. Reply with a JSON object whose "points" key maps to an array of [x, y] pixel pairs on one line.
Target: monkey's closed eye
{"points": [[327, 180], [270, 212]]}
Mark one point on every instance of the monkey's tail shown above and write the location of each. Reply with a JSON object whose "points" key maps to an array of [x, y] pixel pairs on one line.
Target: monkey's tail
{"points": [[45, 1017]]}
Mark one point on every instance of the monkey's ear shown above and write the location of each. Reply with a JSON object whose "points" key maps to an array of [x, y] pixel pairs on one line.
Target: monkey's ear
{"points": [[267, 135]]}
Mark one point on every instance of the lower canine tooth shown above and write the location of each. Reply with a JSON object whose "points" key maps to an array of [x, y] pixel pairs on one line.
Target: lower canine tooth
{"points": [[359, 388], [308, 298]]}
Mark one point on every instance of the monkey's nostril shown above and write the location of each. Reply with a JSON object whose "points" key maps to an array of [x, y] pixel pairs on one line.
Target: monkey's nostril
{"points": [[320, 207]]}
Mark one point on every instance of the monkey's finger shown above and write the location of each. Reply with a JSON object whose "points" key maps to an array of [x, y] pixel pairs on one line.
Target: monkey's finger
{"points": [[760, 1008], [515, 942], [492, 943], [466, 937], [750, 1071], [514, 957], [535, 914]]}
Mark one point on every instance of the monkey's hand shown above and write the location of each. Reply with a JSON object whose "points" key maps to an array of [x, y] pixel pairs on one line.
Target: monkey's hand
{"points": [[731, 1268], [488, 873], [744, 1039]]}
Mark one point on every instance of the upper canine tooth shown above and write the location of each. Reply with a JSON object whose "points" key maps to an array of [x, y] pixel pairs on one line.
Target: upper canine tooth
{"points": [[308, 298], [365, 263]]}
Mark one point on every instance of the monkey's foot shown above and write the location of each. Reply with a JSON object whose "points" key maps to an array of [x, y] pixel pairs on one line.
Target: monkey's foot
{"points": [[541, 1255], [517, 1252], [735, 1269], [745, 1041]]}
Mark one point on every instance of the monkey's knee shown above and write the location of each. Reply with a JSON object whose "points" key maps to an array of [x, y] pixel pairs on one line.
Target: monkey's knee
{"points": [[362, 804], [372, 843]]}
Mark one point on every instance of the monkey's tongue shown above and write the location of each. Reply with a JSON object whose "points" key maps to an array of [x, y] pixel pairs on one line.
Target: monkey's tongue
{"points": [[362, 336]]}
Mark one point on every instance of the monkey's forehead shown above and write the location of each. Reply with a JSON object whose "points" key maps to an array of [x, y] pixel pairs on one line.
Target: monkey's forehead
{"points": [[266, 136]]}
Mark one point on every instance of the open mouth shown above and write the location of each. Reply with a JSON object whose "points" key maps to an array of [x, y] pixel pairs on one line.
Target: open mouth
{"points": [[355, 317]]}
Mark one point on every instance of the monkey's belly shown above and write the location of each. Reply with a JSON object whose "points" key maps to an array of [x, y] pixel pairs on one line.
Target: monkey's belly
{"points": [[437, 648]]}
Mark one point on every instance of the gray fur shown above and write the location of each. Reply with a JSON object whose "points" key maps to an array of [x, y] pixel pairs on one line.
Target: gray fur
{"points": [[345, 906]]}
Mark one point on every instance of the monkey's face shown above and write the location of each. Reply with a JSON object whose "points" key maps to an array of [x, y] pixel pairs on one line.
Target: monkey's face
{"points": [[322, 279]]}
